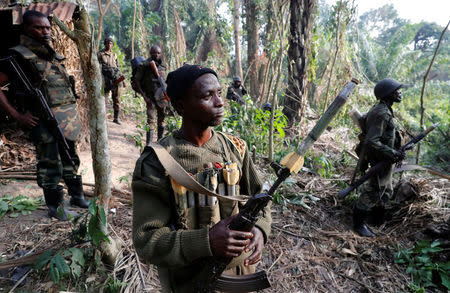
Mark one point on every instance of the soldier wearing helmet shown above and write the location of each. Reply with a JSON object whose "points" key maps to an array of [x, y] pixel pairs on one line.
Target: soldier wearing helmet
{"points": [[236, 91], [380, 142]]}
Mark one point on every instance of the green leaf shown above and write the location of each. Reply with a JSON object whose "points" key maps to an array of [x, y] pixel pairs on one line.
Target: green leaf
{"points": [[54, 274], [96, 234], [445, 279], [13, 215], [60, 263], [42, 260], [77, 256], [102, 215], [92, 207]]}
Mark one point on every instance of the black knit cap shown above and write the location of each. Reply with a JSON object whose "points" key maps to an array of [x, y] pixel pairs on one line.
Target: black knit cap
{"points": [[181, 80]]}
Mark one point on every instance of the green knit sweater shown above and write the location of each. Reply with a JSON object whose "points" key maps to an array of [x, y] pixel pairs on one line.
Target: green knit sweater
{"points": [[157, 236]]}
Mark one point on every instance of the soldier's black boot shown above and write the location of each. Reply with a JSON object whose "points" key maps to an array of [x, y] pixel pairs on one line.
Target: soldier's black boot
{"points": [[150, 135], [116, 117], [161, 131], [359, 223], [75, 191], [54, 199]]}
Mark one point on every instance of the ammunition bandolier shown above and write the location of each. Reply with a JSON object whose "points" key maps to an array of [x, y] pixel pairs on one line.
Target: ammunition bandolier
{"points": [[173, 237]]}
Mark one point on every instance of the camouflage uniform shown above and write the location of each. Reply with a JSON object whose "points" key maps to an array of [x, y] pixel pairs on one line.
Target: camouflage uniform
{"points": [[173, 237], [51, 77], [380, 142], [110, 72], [149, 84], [236, 93]]}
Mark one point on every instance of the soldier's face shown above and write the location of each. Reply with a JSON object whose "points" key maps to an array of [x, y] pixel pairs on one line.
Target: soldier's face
{"points": [[108, 45], [203, 105], [155, 54], [397, 96], [39, 29]]}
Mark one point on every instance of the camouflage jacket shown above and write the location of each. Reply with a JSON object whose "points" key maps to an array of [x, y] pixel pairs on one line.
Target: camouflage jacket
{"points": [[147, 79], [47, 73], [381, 137], [236, 94]]}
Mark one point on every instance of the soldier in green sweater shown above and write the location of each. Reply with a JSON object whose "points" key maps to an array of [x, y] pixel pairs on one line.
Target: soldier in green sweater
{"points": [[173, 232]]}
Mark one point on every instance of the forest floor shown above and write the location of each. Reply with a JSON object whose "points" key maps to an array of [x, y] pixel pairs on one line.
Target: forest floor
{"points": [[312, 247]]}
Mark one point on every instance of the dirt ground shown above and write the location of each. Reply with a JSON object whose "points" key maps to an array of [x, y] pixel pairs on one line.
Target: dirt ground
{"points": [[312, 247]]}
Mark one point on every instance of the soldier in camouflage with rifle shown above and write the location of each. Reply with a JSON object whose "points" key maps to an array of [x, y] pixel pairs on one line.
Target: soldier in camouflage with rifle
{"points": [[146, 83], [43, 67], [379, 142], [236, 91], [176, 229], [112, 78]]}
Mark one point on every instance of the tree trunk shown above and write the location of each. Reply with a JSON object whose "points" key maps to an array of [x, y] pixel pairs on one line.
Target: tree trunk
{"points": [[252, 12], [101, 15], [133, 30], [209, 42], [237, 44], [180, 42], [302, 12], [101, 161]]}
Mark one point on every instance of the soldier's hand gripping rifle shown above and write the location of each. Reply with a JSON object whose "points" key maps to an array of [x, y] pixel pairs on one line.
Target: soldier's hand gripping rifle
{"points": [[46, 114], [162, 85], [213, 267], [382, 165]]}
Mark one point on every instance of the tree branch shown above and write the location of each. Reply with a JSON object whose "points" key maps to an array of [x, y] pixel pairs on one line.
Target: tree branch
{"points": [[65, 28]]}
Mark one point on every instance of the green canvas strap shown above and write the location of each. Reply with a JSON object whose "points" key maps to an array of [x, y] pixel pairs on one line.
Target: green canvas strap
{"points": [[183, 178]]}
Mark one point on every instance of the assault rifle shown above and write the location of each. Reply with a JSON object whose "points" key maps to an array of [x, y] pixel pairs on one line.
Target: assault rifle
{"points": [[160, 80], [162, 86], [382, 165], [212, 267], [46, 114]]}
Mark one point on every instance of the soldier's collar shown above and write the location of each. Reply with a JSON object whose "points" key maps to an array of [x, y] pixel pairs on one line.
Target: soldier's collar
{"points": [[41, 50]]}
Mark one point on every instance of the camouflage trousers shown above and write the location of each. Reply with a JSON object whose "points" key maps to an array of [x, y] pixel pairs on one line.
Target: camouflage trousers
{"points": [[377, 191], [51, 165], [155, 116], [115, 96]]}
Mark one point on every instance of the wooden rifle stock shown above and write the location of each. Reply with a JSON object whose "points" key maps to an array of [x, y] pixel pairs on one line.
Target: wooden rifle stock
{"points": [[161, 82]]}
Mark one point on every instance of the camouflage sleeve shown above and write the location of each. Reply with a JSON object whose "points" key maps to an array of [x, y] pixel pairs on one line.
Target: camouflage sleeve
{"points": [[153, 238], [376, 126]]}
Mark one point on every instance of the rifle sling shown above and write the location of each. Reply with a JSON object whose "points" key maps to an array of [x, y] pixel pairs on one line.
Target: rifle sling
{"points": [[183, 178]]}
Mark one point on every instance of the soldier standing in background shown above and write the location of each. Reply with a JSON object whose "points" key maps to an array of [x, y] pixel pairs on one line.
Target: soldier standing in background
{"points": [[236, 91], [111, 75], [146, 83], [44, 69], [380, 142]]}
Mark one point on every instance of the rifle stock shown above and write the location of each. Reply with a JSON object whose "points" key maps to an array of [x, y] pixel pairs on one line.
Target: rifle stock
{"points": [[47, 114], [381, 165]]}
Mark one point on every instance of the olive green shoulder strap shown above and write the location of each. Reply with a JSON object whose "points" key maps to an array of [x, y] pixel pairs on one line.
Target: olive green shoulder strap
{"points": [[177, 172]]}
